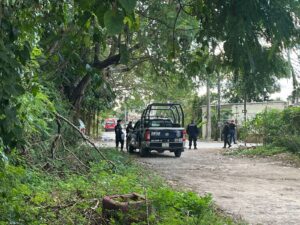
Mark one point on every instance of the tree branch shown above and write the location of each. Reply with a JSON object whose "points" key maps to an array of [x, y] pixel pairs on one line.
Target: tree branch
{"points": [[82, 163], [111, 60], [84, 138]]}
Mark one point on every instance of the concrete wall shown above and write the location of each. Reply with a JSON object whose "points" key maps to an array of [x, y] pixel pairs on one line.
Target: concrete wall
{"points": [[238, 111]]}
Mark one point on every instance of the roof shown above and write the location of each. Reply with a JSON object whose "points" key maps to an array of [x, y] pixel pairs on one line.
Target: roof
{"points": [[249, 103]]}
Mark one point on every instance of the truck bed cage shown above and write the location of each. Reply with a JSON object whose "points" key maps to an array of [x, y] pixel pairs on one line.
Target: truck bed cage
{"points": [[174, 109]]}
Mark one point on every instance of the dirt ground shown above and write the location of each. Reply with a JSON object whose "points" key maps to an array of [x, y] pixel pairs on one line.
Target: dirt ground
{"points": [[260, 191]]}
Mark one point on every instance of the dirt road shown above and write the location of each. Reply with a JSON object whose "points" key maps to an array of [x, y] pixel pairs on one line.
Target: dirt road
{"points": [[261, 191]]}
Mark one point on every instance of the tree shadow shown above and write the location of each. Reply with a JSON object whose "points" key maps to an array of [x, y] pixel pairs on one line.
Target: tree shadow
{"points": [[154, 154]]}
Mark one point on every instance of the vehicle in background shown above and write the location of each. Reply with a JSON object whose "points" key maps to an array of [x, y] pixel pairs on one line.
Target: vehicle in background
{"points": [[81, 126], [109, 124], [160, 128]]}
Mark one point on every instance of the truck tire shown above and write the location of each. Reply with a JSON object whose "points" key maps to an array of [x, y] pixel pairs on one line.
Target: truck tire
{"points": [[178, 153], [143, 152], [130, 149]]}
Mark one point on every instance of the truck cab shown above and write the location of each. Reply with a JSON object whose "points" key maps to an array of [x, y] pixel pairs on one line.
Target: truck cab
{"points": [[161, 128]]}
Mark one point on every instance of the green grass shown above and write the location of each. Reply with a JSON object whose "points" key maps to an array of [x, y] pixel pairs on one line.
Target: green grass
{"points": [[258, 151], [70, 195]]}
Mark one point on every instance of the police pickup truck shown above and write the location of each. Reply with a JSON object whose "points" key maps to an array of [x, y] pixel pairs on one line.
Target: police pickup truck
{"points": [[160, 128]]}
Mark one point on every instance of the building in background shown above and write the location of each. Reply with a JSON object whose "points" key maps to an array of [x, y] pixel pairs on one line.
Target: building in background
{"points": [[235, 111]]}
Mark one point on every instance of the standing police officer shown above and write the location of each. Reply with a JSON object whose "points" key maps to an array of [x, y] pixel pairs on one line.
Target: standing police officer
{"points": [[193, 131], [232, 128], [226, 134], [119, 135], [129, 129]]}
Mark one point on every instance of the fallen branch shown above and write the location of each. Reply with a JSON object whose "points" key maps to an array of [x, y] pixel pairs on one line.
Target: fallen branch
{"points": [[82, 163], [84, 138]]}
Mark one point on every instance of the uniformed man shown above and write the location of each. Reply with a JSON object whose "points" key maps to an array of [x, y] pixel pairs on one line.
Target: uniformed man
{"points": [[226, 134], [193, 131], [232, 128], [119, 135], [129, 129]]}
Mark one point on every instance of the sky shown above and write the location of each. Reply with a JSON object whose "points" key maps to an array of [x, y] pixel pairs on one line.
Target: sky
{"points": [[286, 87]]}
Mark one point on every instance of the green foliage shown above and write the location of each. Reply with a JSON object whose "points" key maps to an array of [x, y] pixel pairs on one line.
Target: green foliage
{"points": [[35, 114], [268, 150], [267, 125], [290, 142], [32, 197], [279, 128], [113, 21], [10, 84], [128, 5], [61, 56], [291, 119]]}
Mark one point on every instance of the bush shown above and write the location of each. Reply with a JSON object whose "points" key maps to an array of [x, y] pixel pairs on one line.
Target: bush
{"points": [[291, 143], [291, 120], [278, 128]]}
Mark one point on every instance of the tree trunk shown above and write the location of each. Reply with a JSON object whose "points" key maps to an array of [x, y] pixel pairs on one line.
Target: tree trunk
{"points": [[97, 124], [78, 93], [94, 123], [208, 112], [295, 82], [89, 121]]}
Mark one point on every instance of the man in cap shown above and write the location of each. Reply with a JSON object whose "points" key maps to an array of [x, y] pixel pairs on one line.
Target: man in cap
{"points": [[193, 131]]}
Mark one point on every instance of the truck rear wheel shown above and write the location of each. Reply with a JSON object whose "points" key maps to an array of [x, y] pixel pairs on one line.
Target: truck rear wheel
{"points": [[143, 152], [177, 153]]}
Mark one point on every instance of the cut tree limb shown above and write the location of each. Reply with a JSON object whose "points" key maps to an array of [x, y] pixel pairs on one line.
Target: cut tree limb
{"points": [[84, 138]]}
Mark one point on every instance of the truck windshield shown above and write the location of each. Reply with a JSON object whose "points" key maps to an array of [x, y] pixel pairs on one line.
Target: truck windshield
{"points": [[160, 123]]}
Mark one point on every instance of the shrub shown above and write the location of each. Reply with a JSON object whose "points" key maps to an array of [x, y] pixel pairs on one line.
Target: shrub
{"points": [[291, 120], [291, 143], [265, 125], [278, 128]]}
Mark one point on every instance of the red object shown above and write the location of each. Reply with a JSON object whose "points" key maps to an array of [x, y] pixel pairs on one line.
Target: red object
{"points": [[184, 135], [110, 124], [132, 206], [147, 135], [82, 130]]}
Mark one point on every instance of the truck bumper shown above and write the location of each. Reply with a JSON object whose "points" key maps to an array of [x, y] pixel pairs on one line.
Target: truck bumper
{"points": [[172, 146]]}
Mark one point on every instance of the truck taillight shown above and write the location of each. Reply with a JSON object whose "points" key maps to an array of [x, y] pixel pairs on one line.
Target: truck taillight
{"points": [[147, 135], [184, 135]]}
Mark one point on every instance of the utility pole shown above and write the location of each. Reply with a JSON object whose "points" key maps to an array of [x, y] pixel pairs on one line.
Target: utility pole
{"points": [[219, 107], [208, 112], [245, 111]]}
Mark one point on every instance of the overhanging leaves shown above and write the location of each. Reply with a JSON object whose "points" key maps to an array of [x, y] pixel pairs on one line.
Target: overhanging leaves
{"points": [[128, 5], [113, 21]]}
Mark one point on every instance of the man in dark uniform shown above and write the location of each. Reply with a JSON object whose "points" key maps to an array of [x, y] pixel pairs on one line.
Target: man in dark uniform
{"points": [[232, 127], [119, 135], [226, 133], [193, 131], [129, 129]]}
